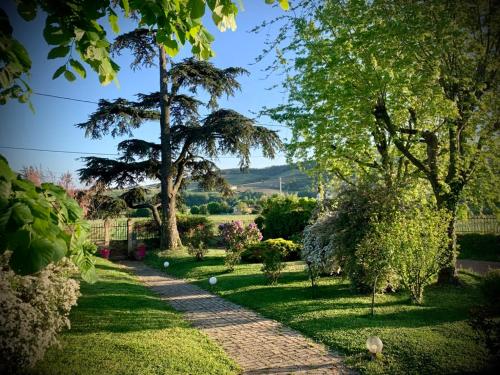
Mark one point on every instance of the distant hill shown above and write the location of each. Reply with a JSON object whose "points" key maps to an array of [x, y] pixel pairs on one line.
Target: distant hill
{"points": [[265, 180]]}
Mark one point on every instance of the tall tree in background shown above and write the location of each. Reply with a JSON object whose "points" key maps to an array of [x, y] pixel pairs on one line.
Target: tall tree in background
{"points": [[187, 141], [400, 87]]}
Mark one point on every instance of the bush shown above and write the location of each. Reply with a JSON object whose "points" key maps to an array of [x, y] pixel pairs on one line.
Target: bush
{"points": [[285, 215], [197, 240], [274, 251], [33, 310], [479, 246], [490, 287], [236, 238], [253, 253], [195, 210], [140, 212], [187, 223], [415, 241]]}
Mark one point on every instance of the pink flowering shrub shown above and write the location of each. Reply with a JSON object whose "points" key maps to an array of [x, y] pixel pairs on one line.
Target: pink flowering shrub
{"points": [[236, 238], [33, 310]]}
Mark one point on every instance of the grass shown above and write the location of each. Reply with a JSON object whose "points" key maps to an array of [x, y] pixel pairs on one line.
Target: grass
{"points": [[219, 219], [430, 339], [120, 327]]}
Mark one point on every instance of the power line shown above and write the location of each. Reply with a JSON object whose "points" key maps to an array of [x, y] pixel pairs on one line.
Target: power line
{"points": [[58, 151], [65, 98], [102, 153], [93, 102]]}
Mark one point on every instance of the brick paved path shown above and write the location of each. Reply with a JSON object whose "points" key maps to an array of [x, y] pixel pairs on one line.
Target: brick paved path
{"points": [[259, 345], [478, 266]]}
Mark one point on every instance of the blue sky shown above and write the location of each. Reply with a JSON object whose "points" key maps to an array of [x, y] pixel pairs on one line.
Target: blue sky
{"points": [[52, 124]]}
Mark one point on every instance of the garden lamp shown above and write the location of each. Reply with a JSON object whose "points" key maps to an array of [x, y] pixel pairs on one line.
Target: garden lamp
{"points": [[166, 264], [212, 280], [374, 345]]}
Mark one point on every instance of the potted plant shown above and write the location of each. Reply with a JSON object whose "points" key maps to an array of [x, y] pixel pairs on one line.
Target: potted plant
{"points": [[104, 252], [140, 252]]}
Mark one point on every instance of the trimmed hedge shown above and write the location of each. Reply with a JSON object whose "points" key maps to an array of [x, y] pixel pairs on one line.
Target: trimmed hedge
{"points": [[289, 250], [477, 246]]}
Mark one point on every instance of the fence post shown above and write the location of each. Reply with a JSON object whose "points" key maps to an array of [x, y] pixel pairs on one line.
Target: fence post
{"points": [[130, 236], [107, 232]]}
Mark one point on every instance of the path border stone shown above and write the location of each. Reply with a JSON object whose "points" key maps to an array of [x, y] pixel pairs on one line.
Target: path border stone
{"points": [[258, 344]]}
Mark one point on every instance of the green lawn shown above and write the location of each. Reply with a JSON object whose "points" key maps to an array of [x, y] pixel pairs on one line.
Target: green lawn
{"points": [[429, 339], [219, 219], [120, 327]]}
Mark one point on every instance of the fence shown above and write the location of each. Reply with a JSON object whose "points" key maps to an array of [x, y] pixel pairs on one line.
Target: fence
{"points": [[485, 224]]}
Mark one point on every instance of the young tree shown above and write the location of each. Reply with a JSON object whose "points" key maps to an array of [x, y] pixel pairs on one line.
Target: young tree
{"points": [[408, 89], [187, 141]]}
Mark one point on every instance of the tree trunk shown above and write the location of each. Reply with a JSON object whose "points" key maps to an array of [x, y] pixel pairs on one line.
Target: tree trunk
{"points": [[448, 273], [173, 238], [169, 236]]}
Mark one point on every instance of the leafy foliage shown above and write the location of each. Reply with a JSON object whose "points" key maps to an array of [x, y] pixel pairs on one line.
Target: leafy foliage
{"points": [[79, 27], [397, 90], [285, 216], [40, 225], [412, 243]]}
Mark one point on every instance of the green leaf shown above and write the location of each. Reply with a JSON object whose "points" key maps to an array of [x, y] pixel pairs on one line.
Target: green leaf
{"points": [[113, 21], [27, 9], [56, 52], [126, 7], [171, 47], [69, 76], [5, 171], [59, 71], [78, 68], [21, 54], [5, 191], [284, 4], [21, 214], [196, 8]]}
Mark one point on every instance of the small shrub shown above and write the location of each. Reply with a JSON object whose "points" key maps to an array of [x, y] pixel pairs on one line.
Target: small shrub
{"points": [[33, 310], [415, 242], [195, 210], [197, 241], [254, 253], [274, 252], [236, 238]]}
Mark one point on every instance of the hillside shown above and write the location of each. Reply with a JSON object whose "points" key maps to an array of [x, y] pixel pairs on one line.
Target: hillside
{"points": [[267, 179]]}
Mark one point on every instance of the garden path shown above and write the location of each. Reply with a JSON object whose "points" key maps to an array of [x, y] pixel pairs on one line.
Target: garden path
{"points": [[259, 345], [478, 266]]}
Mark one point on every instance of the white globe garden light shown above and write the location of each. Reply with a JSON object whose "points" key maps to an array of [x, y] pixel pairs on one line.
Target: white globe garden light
{"points": [[212, 280], [166, 264], [374, 345]]}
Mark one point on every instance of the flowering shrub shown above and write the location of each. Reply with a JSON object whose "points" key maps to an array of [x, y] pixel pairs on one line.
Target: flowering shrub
{"points": [[33, 309], [197, 240], [236, 238]]}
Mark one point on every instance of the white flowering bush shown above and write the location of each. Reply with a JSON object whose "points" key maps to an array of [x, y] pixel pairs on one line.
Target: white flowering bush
{"points": [[318, 250], [33, 310]]}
